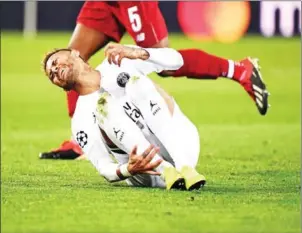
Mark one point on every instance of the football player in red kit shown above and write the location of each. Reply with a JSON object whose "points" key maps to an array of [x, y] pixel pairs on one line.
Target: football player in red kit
{"points": [[101, 22]]}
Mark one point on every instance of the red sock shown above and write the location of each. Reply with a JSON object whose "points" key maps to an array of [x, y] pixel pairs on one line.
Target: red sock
{"points": [[201, 65], [72, 98]]}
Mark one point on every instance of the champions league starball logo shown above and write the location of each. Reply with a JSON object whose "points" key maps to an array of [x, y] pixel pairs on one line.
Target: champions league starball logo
{"points": [[82, 139], [122, 79]]}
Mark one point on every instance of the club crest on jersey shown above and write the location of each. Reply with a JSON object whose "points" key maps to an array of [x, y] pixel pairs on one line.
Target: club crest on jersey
{"points": [[122, 79], [82, 139]]}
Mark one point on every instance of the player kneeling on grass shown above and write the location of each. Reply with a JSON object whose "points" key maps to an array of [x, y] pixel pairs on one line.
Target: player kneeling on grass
{"points": [[121, 112]]}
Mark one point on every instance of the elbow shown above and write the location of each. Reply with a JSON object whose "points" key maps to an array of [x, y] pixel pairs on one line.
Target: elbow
{"points": [[108, 179], [111, 181], [179, 61]]}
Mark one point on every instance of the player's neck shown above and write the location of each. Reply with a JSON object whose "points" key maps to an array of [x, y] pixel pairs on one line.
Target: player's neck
{"points": [[88, 83]]}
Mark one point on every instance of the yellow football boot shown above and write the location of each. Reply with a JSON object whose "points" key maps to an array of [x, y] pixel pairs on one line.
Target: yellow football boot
{"points": [[193, 179], [173, 179]]}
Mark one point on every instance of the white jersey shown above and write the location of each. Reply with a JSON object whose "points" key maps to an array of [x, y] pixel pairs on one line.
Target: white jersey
{"points": [[106, 158], [86, 132], [114, 77], [85, 128]]}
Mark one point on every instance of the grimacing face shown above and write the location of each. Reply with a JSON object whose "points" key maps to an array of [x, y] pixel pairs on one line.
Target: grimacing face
{"points": [[63, 67]]}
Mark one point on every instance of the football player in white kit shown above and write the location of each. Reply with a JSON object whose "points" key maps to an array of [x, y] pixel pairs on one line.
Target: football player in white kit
{"points": [[121, 112]]}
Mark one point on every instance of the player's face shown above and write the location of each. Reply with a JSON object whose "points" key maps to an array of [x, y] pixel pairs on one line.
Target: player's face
{"points": [[62, 68]]}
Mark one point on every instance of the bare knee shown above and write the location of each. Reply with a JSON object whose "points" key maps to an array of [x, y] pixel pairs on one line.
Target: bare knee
{"points": [[87, 41]]}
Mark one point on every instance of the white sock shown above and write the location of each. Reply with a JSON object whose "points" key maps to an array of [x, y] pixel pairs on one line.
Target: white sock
{"points": [[231, 69], [144, 95]]}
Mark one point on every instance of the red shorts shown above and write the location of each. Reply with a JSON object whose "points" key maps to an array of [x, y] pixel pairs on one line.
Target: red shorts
{"points": [[142, 20]]}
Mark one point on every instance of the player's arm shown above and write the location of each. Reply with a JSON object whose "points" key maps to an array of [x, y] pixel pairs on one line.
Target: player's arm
{"points": [[88, 137], [155, 59], [100, 158], [86, 132], [113, 172]]}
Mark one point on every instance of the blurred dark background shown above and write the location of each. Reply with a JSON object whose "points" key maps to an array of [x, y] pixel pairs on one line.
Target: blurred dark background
{"points": [[279, 18]]}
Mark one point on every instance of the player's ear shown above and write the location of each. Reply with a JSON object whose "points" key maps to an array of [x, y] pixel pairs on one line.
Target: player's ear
{"points": [[75, 53]]}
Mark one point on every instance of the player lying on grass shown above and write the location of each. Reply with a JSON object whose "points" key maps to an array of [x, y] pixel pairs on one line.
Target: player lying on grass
{"points": [[132, 113], [101, 22]]}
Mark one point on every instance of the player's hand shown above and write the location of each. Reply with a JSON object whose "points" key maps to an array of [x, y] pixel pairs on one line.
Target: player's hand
{"points": [[116, 52], [142, 163]]}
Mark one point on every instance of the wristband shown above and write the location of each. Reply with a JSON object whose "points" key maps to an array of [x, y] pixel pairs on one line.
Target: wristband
{"points": [[122, 171]]}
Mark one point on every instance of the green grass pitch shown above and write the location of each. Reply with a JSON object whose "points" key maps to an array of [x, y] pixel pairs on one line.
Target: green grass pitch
{"points": [[251, 162]]}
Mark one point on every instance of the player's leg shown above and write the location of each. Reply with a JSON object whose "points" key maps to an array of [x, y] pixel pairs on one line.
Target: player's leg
{"points": [[189, 138], [201, 65], [95, 27], [145, 23], [158, 114], [126, 134], [175, 132]]}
